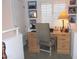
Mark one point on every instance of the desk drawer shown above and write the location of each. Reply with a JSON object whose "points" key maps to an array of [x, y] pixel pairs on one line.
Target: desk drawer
{"points": [[63, 38], [63, 51], [32, 35], [63, 46], [63, 43], [33, 45]]}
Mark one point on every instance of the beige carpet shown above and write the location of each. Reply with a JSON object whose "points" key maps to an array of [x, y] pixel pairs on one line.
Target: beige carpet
{"points": [[44, 55]]}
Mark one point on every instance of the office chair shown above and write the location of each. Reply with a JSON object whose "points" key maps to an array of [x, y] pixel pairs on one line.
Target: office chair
{"points": [[43, 35]]}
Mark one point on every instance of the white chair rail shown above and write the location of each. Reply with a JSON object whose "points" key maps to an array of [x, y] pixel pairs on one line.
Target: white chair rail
{"points": [[12, 29]]}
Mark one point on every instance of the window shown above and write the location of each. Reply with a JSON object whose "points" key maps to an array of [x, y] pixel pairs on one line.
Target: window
{"points": [[46, 13]]}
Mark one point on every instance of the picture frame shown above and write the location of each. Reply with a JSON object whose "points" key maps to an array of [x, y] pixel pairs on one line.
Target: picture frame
{"points": [[72, 2], [72, 10], [32, 4], [32, 13], [72, 18], [33, 23]]}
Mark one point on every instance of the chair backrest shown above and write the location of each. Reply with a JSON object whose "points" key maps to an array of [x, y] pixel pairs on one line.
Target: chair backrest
{"points": [[43, 32]]}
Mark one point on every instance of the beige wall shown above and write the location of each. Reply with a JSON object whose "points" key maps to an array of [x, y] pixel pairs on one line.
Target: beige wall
{"points": [[61, 1], [7, 22], [54, 1], [13, 14], [6, 15], [18, 9], [19, 17], [46, 1]]}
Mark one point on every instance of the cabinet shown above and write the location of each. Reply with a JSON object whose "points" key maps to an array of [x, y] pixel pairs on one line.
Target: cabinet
{"points": [[33, 44], [63, 43]]}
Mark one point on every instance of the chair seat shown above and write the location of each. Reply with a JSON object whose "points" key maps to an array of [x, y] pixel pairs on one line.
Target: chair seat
{"points": [[44, 47], [45, 43], [52, 41]]}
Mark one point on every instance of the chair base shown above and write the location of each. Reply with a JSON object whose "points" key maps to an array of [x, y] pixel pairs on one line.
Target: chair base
{"points": [[46, 51]]}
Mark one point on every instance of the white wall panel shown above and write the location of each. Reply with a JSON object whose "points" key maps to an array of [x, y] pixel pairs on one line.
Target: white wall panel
{"points": [[14, 47]]}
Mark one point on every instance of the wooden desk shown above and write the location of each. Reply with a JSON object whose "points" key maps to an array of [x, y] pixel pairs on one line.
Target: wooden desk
{"points": [[33, 44], [63, 42]]}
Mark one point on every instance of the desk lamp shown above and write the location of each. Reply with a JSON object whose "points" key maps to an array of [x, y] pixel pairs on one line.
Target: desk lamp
{"points": [[63, 16]]}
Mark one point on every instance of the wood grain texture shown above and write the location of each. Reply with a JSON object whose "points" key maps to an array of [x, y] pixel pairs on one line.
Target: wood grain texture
{"points": [[33, 44]]}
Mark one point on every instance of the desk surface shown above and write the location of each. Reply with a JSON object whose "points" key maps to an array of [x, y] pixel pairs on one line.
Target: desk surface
{"points": [[57, 32]]}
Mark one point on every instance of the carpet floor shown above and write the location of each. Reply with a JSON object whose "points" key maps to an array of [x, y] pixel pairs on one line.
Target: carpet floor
{"points": [[44, 55]]}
